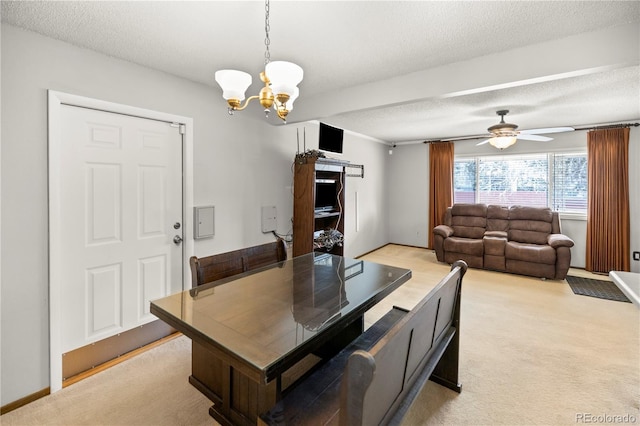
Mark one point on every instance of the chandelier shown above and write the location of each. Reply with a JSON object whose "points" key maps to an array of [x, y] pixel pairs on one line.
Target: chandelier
{"points": [[280, 80]]}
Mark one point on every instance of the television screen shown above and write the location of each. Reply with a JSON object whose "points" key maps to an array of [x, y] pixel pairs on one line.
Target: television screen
{"points": [[330, 139], [326, 194]]}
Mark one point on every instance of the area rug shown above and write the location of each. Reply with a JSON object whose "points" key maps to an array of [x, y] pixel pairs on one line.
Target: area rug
{"points": [[596, 288]]}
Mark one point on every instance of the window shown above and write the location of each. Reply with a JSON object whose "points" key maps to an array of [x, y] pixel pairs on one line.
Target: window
{"points": [[558, 181], [570, 183], [464, 180]]}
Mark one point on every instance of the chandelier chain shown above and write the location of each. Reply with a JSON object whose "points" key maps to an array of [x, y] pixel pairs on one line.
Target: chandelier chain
{"points": [[267, 27]]}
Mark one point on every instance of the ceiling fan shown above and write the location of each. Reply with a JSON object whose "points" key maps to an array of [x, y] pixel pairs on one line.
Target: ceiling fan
{"points": [[503, 135]]}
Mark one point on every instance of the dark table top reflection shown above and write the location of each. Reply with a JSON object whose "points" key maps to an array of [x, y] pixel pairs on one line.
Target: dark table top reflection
{"points": [[267, 316]]}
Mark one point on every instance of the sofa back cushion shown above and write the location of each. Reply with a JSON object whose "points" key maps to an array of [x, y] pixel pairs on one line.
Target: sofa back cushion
{"points": [[530, 224], [469, 220], [497, 218]]}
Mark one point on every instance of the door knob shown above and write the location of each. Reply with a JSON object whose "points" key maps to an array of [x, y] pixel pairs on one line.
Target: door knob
{"points": [[177, 239]]}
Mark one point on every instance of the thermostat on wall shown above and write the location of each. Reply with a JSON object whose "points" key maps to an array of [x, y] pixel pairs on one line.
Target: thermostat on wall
{"points": [[203, 222], [269, 221]]}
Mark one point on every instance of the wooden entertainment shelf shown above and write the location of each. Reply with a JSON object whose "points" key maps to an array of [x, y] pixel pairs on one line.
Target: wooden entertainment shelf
{"points": [[318, 204]]}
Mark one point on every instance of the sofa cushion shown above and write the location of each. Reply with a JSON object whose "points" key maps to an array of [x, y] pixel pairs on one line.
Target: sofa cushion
{"points": [[533, 253], [530, 224], [468, 226], [462, 209], [542, 214], [473, 232], [497, 218], [529, 237], [469, 220], [474, 247], [494, 245], [540, 270], [497, 234]]}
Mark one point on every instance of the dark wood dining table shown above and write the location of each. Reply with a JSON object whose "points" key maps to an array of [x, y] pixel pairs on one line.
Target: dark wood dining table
{"points": [[249, 329]]}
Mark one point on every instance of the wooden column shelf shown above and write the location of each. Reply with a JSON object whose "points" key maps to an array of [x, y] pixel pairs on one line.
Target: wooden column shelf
{"points": [[318, 202]]}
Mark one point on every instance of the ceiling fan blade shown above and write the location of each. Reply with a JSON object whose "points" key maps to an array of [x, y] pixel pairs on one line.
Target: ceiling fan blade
{"points": [[547, 130], [534, 138], [483, 142]]}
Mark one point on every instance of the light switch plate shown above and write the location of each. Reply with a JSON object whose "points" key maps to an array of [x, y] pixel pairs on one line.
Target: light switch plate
{"points": [[269, 220]]}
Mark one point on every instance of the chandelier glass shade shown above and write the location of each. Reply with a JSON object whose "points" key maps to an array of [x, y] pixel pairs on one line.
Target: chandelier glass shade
{"points": [[284, 76], [292, 98], [280, 78], [234, 83]]}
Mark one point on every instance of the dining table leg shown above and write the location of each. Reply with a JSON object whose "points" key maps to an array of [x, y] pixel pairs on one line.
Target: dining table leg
{"points": [[237, 399]]}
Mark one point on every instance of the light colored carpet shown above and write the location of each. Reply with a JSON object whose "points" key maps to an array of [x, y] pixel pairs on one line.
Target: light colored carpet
{"points": [[150, 389], [532, 353]]}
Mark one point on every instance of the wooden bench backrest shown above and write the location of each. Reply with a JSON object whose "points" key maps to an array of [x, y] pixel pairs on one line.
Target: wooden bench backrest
{"points": [[375, 382], [212, 268]]}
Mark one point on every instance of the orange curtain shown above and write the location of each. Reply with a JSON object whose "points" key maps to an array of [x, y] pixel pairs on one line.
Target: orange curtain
{"points": [[608, 235], [440, 183]]}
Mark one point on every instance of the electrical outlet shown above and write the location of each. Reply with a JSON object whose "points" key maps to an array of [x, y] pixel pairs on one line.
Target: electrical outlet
{"points": [[636, 255]]}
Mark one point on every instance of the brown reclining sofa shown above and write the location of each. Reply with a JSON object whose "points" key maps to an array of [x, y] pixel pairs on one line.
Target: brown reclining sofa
{"points": [[516, 239]]}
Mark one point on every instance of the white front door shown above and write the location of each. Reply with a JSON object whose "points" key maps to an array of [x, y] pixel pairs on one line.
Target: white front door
{"points": [[120, 208]]}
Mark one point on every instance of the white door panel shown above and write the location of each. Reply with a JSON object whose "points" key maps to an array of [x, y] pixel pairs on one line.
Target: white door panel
{"points": [[120, 196]]}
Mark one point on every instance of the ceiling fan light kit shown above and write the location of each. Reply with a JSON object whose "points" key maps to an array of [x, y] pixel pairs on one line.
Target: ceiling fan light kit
{"points": [[280, 78], [502, 142]]}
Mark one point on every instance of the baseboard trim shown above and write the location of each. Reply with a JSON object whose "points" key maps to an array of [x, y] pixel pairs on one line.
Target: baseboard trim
{"points": [[102, 367], [371, 251], [71, 380], [392, 244], [88, 357], [24, 401], [412, 246]]}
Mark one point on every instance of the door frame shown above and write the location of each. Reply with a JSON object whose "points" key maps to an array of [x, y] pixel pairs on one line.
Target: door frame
{"points": [[55, 101]]}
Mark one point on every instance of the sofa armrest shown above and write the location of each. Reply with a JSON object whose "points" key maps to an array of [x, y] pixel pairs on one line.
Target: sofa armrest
{"points": [[559, 240], [443, 230], [497, 234]]}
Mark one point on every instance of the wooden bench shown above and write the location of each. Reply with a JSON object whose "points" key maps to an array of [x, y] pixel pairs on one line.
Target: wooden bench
{"points": [[375, 379], [212, 268]]}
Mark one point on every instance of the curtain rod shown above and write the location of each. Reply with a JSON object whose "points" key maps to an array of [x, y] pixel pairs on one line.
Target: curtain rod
{"points": [[608, 126], [593, 127]]}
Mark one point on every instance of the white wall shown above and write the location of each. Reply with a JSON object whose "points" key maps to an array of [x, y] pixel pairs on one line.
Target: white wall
{"points": [[409, 195], [409, 177], [372, 205], [240, 165]]}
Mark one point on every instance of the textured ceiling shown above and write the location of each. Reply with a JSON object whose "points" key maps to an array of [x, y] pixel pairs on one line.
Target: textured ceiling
{"points": [[365, 62]]}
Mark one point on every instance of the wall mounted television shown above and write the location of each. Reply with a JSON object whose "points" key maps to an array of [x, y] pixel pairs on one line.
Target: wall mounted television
{"points": [[330, 139]]}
